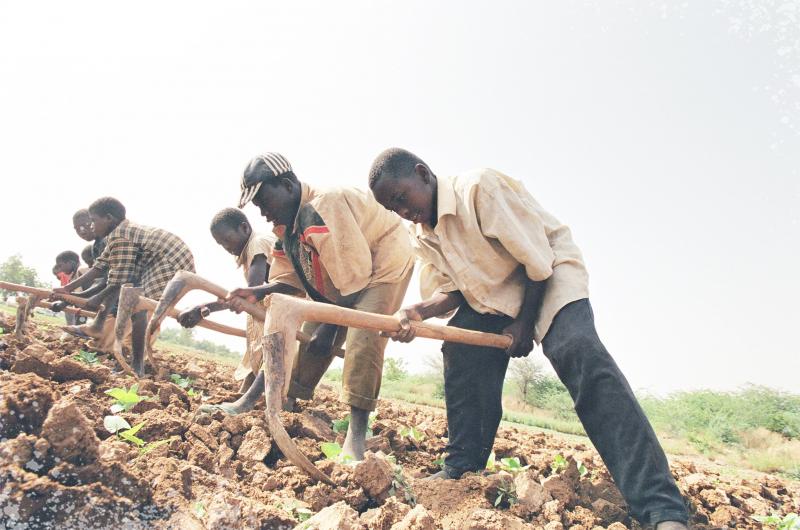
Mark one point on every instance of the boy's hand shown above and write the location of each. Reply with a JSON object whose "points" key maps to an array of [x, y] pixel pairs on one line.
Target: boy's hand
{"points": [[59, 290], [321, 341], [236, 297], [521, 334], [407, 333], [58, 307], [190, 318]]}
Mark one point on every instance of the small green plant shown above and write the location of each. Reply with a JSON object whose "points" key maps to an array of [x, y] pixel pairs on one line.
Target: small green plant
{"points": [[341, 426], [559, 464], [297, 510], [127, 398], [413, 434], [199, 509], [491, 463], [439, 462], [400, 484], [88, 357], [512, 465], [506, 494], [582, 471], [119, 426], [790, 521], [185, 383], [333, 451]]}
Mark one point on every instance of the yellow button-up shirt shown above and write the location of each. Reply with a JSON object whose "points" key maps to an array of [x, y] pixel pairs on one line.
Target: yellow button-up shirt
{"points": [[347, 242], [490, 236]]}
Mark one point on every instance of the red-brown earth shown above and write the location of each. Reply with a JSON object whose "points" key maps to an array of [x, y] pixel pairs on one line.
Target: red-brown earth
{"points": [[60, 467]]}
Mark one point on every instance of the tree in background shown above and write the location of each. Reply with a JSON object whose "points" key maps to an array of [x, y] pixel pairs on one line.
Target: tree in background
{"points": [[524, 373], [14, 271], [394, 369]]}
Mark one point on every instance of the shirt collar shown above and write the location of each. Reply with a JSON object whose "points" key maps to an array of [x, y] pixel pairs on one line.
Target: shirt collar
{"points": [[446, 204], [242, 259]]}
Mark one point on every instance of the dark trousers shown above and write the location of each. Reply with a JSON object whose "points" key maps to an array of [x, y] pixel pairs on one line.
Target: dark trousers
{"points": [[473, 392], [606, 406]]}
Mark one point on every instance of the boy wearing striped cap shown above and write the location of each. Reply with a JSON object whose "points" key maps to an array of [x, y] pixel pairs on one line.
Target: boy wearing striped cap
{"points": [[339, 246], [492, 253]]}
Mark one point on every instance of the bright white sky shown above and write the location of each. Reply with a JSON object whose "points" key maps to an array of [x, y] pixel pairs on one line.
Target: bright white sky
{"points": [[667, 136]]}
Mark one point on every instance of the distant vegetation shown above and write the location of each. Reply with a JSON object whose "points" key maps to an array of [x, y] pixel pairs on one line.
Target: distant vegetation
{"points": [[756, 425], [185, 337]]}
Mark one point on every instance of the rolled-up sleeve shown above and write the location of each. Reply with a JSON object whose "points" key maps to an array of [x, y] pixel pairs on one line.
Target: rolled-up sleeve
{"points": [[507, 214]]}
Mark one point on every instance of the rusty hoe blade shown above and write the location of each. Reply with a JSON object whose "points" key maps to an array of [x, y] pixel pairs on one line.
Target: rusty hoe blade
{"points": [[274, 357]]}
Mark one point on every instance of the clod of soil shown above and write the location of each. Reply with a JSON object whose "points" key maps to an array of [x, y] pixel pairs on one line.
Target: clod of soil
{"points": [[59, 466]]}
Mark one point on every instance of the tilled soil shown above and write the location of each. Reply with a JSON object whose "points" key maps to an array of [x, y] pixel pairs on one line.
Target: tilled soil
{"points": [[60, 467]]}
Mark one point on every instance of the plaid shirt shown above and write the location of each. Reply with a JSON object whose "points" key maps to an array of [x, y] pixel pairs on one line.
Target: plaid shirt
{"points": [[146, 257]]}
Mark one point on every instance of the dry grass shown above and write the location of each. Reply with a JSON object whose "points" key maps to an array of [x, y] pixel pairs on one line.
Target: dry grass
{"points": [[770, 452]]}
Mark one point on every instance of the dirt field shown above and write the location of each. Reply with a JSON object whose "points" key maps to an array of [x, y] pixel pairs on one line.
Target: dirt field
{"points": [[60, 466]]}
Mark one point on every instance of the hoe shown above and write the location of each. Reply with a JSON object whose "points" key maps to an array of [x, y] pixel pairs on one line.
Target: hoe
{"points": [[282, 321]]}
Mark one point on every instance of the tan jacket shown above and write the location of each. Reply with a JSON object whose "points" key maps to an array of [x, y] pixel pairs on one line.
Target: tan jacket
{"points": [[490, 236], [345, 241]]}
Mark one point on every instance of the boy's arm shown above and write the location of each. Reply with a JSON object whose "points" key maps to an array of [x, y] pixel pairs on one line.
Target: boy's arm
{"points": [[78, 283], [254, 294], [521, 330], [259, 268]]}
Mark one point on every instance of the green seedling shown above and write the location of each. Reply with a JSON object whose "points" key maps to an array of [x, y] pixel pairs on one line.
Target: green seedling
{"points": [[185, 383], [439, 462], [126, 398], [559, 464], [297, 510], [88, 357], [512, 465], [491, 464], [413, 434], [506, 493], [341, 426], [333, 451], [115, 423], [400, 484], [199, 509], [129, 435], [582, 471], [790, 521]]}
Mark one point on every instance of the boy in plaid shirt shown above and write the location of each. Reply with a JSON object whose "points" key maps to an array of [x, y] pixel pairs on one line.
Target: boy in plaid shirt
{"points": [[143, 256]]}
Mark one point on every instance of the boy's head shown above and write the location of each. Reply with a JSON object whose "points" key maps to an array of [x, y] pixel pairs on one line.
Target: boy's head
{"points": [[268, 180], [231, 230], [82, 223], [404, 184], [106, 213], [67, 262], [87, 255]]}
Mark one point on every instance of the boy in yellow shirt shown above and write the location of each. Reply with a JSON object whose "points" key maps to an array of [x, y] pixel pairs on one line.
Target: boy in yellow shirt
{"points": [[492, 253], [340, 247]]}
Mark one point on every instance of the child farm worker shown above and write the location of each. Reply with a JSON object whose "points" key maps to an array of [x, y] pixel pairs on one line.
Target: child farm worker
{"points": [[66, 269], [101, 328], [341, 247], [491, 252], [143, 256], [253, 252]]}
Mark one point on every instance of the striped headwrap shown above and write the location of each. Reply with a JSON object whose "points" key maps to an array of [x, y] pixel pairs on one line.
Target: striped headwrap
{"points": [[251, 181]]}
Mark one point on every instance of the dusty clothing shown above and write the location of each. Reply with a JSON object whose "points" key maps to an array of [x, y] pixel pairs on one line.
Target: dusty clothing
{"points": [[363, 360], [343, 241], [144, 256], [490, 236], [346, 249], [257, 245]]}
